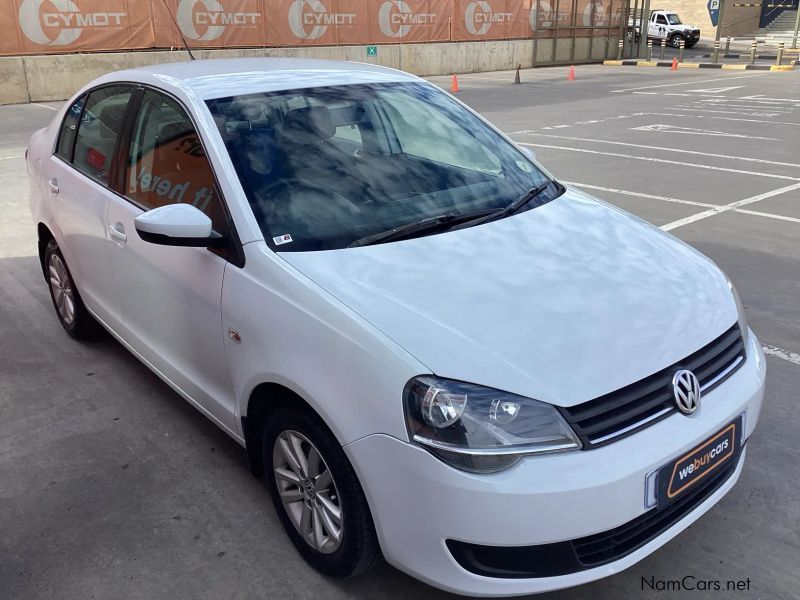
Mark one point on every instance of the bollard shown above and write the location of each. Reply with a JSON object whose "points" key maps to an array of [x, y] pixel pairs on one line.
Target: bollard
{"points": [[649, 50], [780, 54], [753, 46], [681, 46], [716, 52], [516, 76], [663, 47], [728, 41], [619, 50]]}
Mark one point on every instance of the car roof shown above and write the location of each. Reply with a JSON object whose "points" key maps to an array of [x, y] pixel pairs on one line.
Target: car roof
{"points": [[223, 77]]}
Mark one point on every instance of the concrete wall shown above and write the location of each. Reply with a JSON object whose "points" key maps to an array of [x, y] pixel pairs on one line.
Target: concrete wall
{"points": [[738, 20], [58, 76]]}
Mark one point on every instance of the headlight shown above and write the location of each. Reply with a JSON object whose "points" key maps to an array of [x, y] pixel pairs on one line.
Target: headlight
{"points": [[740, 310], [481, 429]]}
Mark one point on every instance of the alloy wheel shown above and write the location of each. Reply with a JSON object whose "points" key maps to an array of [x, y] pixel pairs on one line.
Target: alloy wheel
{"points": [[308, 491], [62, 288]]}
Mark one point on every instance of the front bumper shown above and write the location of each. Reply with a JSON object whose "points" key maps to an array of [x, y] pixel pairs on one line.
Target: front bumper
{"points": [[418, 502]]}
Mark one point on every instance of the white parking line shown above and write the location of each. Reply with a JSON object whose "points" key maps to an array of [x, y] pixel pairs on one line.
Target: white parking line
{"points": [[713, 208], [792, 357], [663, 160], [660, 114], [728, 207], [638, 194], [690, 82], [667, 149]]}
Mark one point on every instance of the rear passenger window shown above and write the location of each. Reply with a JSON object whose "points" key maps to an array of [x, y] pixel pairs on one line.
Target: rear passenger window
{"points": [[66, 137], [167, 163], [99, 129]]}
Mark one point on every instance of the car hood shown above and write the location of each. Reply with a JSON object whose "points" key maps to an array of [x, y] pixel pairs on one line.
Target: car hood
{"points": [[563, 303]]}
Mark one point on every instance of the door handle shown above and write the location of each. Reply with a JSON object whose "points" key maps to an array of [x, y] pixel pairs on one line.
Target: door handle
{"points": [[117, 232], [53, 185]]}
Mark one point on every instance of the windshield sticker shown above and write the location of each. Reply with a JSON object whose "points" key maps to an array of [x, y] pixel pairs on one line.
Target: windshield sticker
{"points": [[282, 239]]}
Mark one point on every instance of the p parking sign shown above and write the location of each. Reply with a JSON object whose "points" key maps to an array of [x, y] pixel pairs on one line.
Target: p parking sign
{"points": [[713, 11], [373, 50]]}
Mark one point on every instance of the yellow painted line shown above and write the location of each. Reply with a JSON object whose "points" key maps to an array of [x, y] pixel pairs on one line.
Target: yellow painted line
{"points": [[734, 67], [781, 68], [688, 65], [646, 63], [613, 63]]}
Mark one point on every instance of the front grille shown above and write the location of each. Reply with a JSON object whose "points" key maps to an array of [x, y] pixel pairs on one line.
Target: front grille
{"points": [[629, 409], [573, 556]]}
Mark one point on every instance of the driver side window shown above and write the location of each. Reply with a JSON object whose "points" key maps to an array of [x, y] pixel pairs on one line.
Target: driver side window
{"points": [[167, 164]]}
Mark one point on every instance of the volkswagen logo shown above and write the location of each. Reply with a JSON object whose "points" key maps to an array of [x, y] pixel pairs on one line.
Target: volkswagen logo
{"points": [[686, 389]]}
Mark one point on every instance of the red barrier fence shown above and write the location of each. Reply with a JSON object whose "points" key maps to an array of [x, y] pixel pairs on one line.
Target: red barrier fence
{"points": [[55, 26]]}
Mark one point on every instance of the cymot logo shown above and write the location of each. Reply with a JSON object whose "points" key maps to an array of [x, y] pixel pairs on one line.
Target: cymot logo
{"points": [[60, 22], [478, 17], [600, 18], [544, 14], [395, 18], [195, 16], [309, 19]]}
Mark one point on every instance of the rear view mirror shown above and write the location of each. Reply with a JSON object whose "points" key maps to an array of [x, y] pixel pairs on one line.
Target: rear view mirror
{"points": [[177, 225]]}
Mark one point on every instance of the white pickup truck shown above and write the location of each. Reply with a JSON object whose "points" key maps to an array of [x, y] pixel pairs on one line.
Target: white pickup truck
{"points": [[665, 24]]}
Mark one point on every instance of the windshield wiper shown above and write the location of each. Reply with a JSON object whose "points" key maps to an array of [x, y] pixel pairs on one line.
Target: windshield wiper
{"points": [[444, 221], [516, 205]]}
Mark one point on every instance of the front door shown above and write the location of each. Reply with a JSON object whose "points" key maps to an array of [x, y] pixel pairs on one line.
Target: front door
{"points": [[170, 296]]}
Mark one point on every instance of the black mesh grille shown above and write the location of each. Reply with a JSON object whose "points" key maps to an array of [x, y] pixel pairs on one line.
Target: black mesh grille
{"points": [[627, 410]]}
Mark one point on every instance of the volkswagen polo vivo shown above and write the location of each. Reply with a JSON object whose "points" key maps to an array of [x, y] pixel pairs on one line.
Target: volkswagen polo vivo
{"points": [[430, 348]]}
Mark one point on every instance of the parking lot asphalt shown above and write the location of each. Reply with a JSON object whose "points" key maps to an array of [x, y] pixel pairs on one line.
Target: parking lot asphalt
{"points": [[111, 486]]}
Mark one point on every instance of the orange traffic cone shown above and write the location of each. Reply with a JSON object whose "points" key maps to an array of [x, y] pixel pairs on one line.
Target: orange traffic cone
{"points": [[571, 76], [674, 64], [454, 83]]}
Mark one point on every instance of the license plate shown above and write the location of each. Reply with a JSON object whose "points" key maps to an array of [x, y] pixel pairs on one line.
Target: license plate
{"points": [[683, 474]]}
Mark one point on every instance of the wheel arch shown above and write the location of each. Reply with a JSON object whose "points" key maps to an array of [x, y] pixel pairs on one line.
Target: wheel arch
{"points": [[266, 399], [45, 235]]}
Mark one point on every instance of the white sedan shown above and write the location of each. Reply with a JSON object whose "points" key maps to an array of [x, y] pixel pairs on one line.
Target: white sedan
{"points": [[430, 348]]}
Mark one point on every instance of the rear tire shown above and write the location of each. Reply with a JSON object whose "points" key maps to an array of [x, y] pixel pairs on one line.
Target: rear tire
{"points": [[70, 309], [318, 498]]}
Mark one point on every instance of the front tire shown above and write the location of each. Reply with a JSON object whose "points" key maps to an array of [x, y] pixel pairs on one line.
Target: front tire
{"points": [[317, 495], [675, 40], [70, 309]]}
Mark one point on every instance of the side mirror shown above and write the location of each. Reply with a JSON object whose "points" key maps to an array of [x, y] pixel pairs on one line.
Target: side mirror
{"points": [[176, 225], [527, 150]]}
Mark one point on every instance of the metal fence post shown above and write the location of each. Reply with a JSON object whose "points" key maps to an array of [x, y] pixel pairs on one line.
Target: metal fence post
{"points": [[753, 46], [780, 54], [681, 46], [796, 27], [649, 50], [715, 59]]}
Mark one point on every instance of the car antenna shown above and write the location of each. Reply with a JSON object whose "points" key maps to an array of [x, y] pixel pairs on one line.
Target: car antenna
{"points": [[180, 33]]}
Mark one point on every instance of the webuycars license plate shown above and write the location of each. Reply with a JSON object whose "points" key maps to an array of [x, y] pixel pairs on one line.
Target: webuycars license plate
{"points": [[679, 476]]}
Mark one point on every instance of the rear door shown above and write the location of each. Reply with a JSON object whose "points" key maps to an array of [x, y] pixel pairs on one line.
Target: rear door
{"points": [[170, 296], [78, 176]]}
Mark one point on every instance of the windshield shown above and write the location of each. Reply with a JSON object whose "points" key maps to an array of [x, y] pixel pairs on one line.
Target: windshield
{"points": [[323, 167], [674, 19]]}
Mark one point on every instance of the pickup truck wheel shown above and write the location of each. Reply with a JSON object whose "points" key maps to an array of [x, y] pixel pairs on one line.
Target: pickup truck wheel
{"points": [[317, 495], [70, 310], [675, 40]]}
